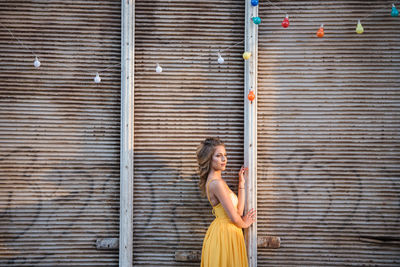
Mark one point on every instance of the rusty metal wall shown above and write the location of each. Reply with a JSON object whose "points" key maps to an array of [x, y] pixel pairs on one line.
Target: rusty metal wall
{"points": [[328, 134], [193, 98], [59, 133]]}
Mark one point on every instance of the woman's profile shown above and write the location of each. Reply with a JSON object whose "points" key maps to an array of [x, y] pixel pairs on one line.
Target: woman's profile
{"points": [[223, 245]]}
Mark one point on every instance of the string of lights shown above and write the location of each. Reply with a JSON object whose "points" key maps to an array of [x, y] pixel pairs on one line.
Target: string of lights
{"points": [[246, 55], [36, 62]]}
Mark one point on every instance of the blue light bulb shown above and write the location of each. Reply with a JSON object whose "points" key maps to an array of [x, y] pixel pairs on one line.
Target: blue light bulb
{"points": [[395, 12], [254, 2], [256, 20]]}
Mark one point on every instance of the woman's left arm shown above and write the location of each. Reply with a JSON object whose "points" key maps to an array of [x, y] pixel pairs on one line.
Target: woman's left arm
{"points": [[241, 191]]}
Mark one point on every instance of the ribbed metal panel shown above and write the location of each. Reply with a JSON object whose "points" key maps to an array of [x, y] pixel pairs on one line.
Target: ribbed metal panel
{"points": [[328, 134], [194, 97], [59, 133]]}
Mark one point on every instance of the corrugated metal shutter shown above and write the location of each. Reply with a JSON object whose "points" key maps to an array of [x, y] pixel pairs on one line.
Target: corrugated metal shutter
{"points": [[194, 97], [328, 134], [59, 133]]}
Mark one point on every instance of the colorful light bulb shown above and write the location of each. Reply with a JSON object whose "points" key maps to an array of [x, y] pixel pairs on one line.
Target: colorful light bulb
{"points": [[256, 20], [246, 55], [254, 2], [285, 22], [36, 63], [395, 12], [359, 28], [320, 32], [220, 59], [158, 68], [251, 96], [97, 79]]}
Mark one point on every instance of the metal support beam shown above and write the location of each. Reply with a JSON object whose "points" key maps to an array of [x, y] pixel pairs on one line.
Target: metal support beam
{"points": [[127, 124], [250, 126]]}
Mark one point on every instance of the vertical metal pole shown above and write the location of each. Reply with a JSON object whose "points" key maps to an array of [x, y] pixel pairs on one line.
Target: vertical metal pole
{"points": [[127, 124], [250, 126]]}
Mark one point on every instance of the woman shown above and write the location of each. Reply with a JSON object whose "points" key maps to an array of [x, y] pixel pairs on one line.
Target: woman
{"points": [[223, 245]]}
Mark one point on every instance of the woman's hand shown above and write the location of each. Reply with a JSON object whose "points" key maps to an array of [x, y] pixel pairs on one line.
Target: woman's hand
{"points": [[242, 175], [249, 218]]}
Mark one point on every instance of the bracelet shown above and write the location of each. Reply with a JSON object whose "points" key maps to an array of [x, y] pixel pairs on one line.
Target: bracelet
{"points": [[241, 187]]}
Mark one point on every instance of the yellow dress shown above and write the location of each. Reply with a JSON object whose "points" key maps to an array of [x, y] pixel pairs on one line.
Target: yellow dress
{"points": [[223, 245]]}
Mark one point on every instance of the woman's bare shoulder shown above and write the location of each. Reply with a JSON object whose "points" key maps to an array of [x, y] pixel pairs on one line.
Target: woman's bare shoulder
{"points": [[217, 185]]}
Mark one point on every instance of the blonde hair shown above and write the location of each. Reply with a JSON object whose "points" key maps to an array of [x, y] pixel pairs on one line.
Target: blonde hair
{"points": [[204, 154]]}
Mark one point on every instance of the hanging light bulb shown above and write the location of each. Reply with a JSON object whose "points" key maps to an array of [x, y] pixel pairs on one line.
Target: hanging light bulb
{"points": [[220, 59], [256, 20], [359, 28], [36, 63], [285, 22], [395, 12], [158, 68], [251, 96], [254, 2], [97, 79], [320, 32], [246, 55]]}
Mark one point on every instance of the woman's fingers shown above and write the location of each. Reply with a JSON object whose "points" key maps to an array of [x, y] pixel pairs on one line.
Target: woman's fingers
{"points": [[251, 216], [242, 172], [252, 213]]}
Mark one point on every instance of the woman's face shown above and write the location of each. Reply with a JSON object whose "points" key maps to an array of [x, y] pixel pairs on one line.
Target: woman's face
{"points": [[219, 159]]}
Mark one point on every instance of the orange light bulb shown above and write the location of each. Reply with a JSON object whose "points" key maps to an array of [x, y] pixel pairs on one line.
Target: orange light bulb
{"points": [[251, 96], [320, 32]]}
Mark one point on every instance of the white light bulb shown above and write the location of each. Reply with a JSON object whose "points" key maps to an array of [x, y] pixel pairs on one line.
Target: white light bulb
{"points": [[97, 79], [158, 68], [36, 63], [220, 59]]}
